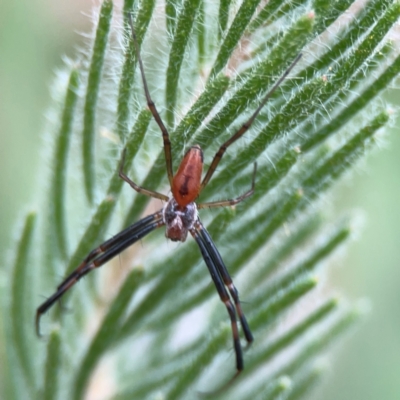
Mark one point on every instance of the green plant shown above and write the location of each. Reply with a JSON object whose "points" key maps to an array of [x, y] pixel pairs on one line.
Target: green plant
{"points": [[323, 118]]}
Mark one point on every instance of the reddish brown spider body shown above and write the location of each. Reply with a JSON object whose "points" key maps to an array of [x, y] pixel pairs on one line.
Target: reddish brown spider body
{"points": [[187, 180], [180, 217], [180, 212]]}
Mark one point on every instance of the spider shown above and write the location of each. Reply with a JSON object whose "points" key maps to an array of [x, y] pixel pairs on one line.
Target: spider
{"points": [[179, 215]]}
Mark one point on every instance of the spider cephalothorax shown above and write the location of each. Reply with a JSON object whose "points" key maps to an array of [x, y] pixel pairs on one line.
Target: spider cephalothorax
{"points": [[179, 220]]}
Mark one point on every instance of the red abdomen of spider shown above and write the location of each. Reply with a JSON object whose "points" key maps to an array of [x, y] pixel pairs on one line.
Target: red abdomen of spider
{"points": [[180, 212], [186, 182]]}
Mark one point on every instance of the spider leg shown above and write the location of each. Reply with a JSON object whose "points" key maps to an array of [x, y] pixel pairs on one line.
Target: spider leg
{"points": [[136, 187], [115, 240], [223, 294], [153, 109], [99, 256], [232, 202], [223, 272], [244, 127]]}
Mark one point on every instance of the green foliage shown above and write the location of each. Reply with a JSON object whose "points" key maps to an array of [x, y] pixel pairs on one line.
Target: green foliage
{"points": [[207, 71], [181, 37], [92, 93], [19, 308], [58, 184]]}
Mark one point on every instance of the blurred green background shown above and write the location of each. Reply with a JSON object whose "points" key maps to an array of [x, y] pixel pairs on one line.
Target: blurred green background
{"points": [[35, 35]]}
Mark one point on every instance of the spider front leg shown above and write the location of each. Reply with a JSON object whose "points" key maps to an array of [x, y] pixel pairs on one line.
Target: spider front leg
{"points": [[99, 256], [224, 274], [219, 278]]}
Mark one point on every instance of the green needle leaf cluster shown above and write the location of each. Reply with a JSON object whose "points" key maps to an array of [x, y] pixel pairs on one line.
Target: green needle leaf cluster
{"points": [[152, 317]]}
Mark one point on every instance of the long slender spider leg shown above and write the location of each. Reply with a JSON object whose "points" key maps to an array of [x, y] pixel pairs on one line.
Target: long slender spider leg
{"points": [[100, 256], [136, 187], [120, 237], [244, 127], [232, 202], [223, 271], [153, 109], [223, 294]]}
